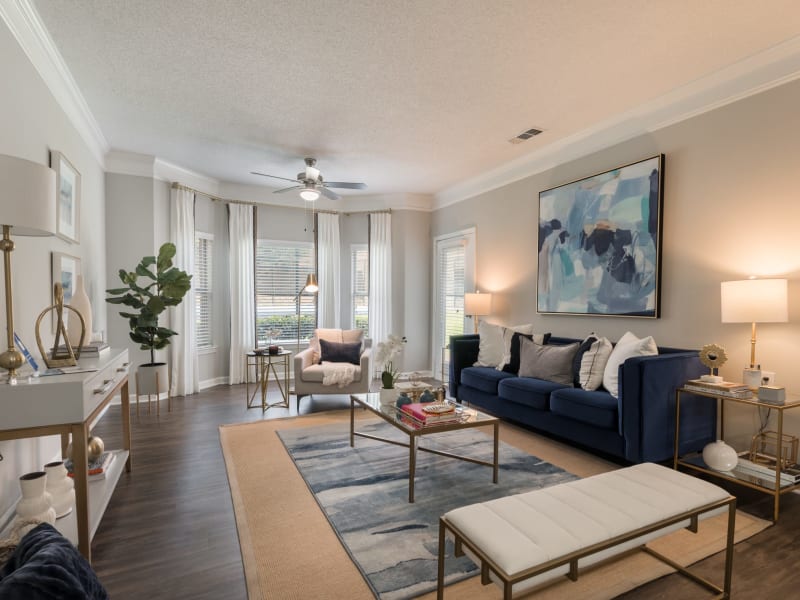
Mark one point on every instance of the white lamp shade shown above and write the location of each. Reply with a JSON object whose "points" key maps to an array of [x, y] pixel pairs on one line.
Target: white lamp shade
{"points": [[755, 301], [29, 196], [477, 304]]}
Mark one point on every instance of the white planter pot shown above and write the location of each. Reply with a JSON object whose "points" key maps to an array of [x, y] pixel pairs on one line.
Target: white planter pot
{"points": [[60, 487], [152, 379], [388, 396], [719, 456], [36, 503], [80, 302]]}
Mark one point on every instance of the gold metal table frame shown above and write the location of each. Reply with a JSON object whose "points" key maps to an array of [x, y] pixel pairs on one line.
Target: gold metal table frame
{"points": [[264, 364]]}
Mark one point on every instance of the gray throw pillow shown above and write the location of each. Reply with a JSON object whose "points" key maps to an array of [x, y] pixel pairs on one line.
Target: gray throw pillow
{"points": [[550, 363]]}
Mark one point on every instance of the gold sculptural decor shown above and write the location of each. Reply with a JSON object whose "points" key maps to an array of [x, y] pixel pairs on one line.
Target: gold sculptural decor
{"points": [[67, 357], [713, 356]]}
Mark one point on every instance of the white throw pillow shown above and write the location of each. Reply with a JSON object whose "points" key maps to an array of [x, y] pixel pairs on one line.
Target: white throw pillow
{"points": [[490, 349], [593, 364], [508, 333], [628, 345]]}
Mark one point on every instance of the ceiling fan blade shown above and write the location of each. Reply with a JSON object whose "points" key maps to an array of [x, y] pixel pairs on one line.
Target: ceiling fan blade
{"points": [[274, 176], [292, 187], [327, 193], [347, 185]]}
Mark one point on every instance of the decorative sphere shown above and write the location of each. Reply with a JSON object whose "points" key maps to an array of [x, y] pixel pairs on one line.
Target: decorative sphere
{"points": [[95, 447], [719, 456]]}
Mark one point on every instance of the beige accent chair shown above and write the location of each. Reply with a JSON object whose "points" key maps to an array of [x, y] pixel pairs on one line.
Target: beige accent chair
{"points": [[308, 373]]}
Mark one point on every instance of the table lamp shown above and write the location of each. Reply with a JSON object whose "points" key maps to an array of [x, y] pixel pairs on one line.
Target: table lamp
{"points": [[28, 208], [754, 301], [477, 305]]}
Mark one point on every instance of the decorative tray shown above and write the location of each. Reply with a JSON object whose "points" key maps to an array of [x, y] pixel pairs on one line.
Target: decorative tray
{"points": [[438, 408]]}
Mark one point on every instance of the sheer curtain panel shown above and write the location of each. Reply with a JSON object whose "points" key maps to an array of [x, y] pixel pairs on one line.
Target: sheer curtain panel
{"points": [[183, 355], [329, 260], [243, 318], [380, 277]]}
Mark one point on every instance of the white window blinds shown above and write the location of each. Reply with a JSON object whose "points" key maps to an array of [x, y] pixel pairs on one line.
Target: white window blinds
{"points": [[451, 292], [359, 286], [202, 285], [281, 271]]}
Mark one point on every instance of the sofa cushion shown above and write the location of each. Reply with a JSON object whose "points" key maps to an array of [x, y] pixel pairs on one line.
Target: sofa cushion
{"points": [[490, 348], [484, 379], [627, 346], [333, 335], [593, 408], [508, 335], [316, 373], [592, 365], [527, 391], [340, 353], [512, 365], [551, 363]]}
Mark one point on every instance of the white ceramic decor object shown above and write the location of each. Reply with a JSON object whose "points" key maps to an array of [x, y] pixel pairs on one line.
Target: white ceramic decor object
{"points": [[61, 488], [35, 504], [388, 396], [719, 456], [80, 302]]}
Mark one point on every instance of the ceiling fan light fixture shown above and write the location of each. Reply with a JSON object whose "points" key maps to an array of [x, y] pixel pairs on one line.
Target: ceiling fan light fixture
{"points": [[309, 194]]}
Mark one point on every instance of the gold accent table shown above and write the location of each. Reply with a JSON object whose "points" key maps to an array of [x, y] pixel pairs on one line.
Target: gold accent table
{"points": [[264, 365], [70, 404], [392, 415], [694, 461]]}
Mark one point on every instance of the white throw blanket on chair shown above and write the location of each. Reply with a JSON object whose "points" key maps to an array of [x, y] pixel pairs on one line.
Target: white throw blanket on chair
{"points": [[339, 374]]}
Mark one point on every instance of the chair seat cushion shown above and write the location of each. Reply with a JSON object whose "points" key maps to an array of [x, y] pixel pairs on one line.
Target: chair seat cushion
{"points": [[528, 392], [593, 408], [484, 379], [316, 373]]}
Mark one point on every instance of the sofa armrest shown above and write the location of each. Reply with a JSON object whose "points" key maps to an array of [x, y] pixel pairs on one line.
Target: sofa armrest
{"points": [[647, 407], [366, 360], [303, 360], [463, 354]]}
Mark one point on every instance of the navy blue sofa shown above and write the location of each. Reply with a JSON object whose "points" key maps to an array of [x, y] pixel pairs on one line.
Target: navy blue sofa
{"points": [[639, 426]]}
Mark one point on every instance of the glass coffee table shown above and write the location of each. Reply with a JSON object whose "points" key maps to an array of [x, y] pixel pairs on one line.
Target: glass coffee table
{"points": [[466, 418]]}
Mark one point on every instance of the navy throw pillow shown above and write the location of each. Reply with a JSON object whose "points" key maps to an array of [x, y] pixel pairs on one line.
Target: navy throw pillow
{"points": [[513, 365], [340, 352]]}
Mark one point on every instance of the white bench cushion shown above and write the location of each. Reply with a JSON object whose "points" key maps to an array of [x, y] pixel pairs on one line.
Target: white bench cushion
{"points": [[526, 530]]}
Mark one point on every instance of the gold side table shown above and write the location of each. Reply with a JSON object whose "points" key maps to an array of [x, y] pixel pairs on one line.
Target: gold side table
{"points": [[265, 364]]}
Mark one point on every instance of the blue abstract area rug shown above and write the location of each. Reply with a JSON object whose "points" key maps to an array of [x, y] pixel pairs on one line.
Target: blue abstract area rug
{"points": [[363, 491]]}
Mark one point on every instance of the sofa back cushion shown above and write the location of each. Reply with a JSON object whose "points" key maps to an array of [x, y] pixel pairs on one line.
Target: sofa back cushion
{"points": [[490, 349], [333, 335], [627, 346], [512, 365], [340, 352], [591, 365], [551, 363]]}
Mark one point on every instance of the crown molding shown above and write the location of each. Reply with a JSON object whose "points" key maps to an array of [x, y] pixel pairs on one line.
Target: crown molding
{"points": [[768, 69], [22, 19]]}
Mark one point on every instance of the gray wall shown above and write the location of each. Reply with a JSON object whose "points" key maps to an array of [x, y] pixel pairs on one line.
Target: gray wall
{"points": [[730, 211], [31, 124]]}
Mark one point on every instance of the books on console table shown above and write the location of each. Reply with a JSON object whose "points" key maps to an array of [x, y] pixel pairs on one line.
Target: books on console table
{"points": [[417, 411], [789, 475], [724, 388], [97, 468], [89, 350]]}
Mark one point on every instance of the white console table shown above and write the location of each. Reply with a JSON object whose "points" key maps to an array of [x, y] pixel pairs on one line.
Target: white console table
{"points": [[69, 404]]}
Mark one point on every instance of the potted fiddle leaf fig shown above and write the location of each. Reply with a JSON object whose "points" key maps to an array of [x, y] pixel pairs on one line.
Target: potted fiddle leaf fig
{"points": [[152, 287]]}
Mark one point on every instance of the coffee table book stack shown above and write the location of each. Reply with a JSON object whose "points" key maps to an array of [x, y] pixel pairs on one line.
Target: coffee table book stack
{"points": [[723, 388], [428, 413]]}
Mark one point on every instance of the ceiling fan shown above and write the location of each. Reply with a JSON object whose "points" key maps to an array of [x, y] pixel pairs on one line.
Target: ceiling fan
{"points": [[312, 184]]}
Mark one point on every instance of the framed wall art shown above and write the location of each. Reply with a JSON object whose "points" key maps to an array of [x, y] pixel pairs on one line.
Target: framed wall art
{"points": [[66, 269], [600, 243], [68, 197]]}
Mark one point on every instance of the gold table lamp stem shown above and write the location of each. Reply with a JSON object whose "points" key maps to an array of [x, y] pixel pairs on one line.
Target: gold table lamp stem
{"points": [[753, 347], [12, 358]]}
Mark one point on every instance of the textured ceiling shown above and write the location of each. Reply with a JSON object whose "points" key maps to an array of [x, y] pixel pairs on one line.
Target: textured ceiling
{"points": [[408, 96]]}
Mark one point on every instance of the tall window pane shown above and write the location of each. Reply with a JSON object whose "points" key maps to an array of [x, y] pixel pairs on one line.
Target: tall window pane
{"points": [[201, 285], [359, 283], [281, 271]]}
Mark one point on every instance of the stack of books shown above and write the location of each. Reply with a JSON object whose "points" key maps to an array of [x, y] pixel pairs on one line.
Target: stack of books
{"points": [[97, 468], [724, 388], [92, 350], [417, 412], [789, 475]]}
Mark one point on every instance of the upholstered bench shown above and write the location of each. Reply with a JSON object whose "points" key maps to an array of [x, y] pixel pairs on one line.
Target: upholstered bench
{"points": [[525, 540]]}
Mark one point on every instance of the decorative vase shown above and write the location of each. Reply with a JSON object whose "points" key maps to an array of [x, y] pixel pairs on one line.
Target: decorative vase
{"points": [[60, 487], [388, 396], [80, 302], [36, 502], [402, 400], [94, 449], [719, 456]]}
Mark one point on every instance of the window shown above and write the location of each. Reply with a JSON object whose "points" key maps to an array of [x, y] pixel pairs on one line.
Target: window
{"points": [[201, 284], [281, 271], [359, 286], [454, 275]]}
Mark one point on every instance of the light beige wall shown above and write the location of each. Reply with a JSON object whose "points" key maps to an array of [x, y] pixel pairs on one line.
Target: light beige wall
{"points": [[730, 210]]}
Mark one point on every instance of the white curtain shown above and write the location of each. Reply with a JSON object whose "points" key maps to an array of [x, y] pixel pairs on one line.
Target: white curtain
{"points": [[183, 353], [329, 260], [380, 277], [243, 324]]}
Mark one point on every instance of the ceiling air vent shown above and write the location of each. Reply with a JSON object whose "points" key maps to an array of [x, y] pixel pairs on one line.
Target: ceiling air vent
{"points": [[525, 135]]}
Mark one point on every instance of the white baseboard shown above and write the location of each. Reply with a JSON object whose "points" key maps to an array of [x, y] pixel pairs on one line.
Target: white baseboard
{"points": [[209, 383]]}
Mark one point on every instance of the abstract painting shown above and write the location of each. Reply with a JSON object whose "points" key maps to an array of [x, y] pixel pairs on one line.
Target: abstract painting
{"points": [[600, 243], [68, 197]]}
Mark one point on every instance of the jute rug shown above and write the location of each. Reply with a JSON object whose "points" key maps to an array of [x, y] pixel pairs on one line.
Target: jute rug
{"points": [[290, 551]]}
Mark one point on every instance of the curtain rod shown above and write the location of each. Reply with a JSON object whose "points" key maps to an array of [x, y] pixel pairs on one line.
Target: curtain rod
{"points": [[180, 186]]}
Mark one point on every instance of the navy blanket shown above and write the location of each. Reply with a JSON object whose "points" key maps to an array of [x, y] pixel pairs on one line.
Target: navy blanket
{"points": [[46, 566]]}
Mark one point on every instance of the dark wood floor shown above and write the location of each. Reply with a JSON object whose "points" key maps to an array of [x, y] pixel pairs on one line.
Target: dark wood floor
{"points": [[169, 530]]}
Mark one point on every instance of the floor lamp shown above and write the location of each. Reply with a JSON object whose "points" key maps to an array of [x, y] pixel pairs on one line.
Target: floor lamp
{"points": [[28, 208], [312, 288], [477, 305]]}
